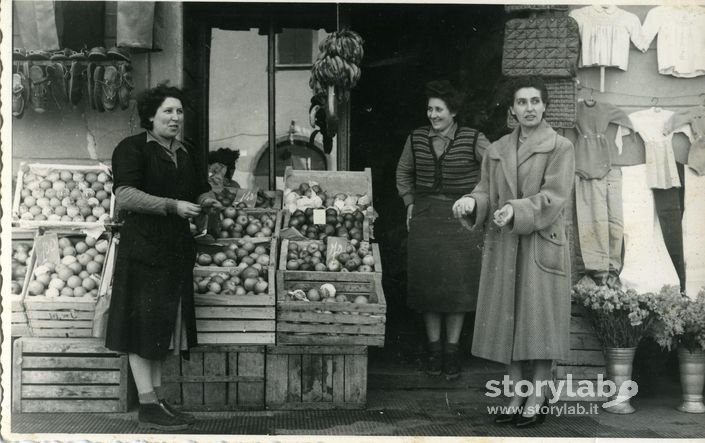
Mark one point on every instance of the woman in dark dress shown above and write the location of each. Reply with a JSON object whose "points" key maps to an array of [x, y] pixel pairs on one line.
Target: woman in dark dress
{"points": [[159, 183], [441, 162]]}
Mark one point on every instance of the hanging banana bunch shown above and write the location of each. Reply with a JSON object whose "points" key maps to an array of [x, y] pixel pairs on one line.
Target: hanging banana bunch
{"points": [[337, 65]]}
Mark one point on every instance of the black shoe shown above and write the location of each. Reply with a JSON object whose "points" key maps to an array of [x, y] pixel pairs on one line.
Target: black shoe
{"points": [[503, 419], [451, 364], [154, 416], [188, 418], [535, 420], [435, 362]]}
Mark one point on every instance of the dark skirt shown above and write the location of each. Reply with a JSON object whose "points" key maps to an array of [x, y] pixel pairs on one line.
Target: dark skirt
{"points": [[444, 260]]}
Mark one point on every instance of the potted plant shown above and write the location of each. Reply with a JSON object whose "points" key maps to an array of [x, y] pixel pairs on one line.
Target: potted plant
{"points": [[620, 318], [681, 324]]}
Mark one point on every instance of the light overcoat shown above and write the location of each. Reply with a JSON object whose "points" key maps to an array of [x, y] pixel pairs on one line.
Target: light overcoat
{"points": [[523, 310]]}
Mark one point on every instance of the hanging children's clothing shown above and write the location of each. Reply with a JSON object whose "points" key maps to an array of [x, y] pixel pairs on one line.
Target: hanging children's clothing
{"points": [[661, 169], [647, 264], [695, 119], [605, 32], [598, 187], [681, 39], [694, 232]]}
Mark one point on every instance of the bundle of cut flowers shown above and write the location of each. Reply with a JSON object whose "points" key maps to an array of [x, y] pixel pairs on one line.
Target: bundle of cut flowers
{"points": [[620, 318], [680, 321]]}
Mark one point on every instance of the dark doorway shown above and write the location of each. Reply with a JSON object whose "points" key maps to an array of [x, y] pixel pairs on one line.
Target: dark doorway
{"points": [[405, 47]]}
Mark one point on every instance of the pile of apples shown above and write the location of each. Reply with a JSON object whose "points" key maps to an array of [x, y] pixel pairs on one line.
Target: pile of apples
{"points": [[357, 257], [20, 256], [67, 196], [241, 254], [311, 195], [326, 294], [76, 275], [250, 280], [347, 225], [239, 223], [265, 199]]}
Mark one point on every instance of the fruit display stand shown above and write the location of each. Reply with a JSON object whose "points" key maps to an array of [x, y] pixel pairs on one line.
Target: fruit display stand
{"points": [[22, 263], [239, 316], [327, 322], [316, 377], [216, 378], [68, 375], [63, 195], [51, 311]]}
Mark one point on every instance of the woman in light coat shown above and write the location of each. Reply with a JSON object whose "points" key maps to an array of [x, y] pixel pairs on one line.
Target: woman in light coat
{"points": [[523, 310]]}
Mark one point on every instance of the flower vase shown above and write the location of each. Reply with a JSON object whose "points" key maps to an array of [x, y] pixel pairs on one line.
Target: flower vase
{"points": [[692, 372], [619, 363]]}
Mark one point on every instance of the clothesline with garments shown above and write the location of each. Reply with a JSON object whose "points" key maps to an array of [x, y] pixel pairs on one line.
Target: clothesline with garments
{"points": [[614, 200], [655, 99]]}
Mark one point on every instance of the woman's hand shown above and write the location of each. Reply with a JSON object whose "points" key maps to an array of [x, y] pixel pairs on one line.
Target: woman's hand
{"points": [[186, 209], [463, 207], [409, 212], [211, 203], [503, 216]]}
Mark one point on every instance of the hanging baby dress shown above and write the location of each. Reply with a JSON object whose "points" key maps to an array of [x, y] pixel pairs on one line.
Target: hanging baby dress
{"points": [[661, 169], [605, 32], [681, 39]]}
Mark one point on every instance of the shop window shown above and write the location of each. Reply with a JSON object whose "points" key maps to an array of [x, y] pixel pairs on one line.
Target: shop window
{"points": [[299, 155], [295, 48]]}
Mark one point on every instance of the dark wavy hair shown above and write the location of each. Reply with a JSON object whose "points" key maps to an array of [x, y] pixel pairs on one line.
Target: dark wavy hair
{"points": [[443, 90], [226, 156], [151, 99], [517, 83]]}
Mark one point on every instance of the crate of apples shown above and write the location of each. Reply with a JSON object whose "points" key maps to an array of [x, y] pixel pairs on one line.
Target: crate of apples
{"points": [[237, 253], [334, 313], [247, 223], [21, 261], [357, 256], [351, 225], [63, 195]]}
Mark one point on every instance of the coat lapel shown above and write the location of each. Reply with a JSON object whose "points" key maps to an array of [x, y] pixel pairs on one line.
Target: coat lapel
{"points": [[507, 156], [542, 140]]}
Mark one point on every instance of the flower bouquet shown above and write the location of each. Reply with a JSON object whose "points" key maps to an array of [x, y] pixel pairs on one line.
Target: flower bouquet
{"points": [[681, 324], [680, 320], [620, 318]]}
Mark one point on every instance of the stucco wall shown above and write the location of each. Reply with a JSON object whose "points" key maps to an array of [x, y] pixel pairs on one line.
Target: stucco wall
{"points": [[78, 133]]}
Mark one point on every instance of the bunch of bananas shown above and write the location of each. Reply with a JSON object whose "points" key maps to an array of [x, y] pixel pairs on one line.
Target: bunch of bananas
{"points": [[337, 64]]}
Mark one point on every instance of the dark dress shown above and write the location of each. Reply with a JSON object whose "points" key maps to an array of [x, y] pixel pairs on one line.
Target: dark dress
{"points": [[154, 265]]}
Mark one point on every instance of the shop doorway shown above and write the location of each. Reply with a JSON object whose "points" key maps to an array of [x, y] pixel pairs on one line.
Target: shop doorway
{"points": [[405, 47]]}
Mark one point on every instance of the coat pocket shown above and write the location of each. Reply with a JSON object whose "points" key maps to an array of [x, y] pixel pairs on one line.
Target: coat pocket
{"points": [[549, 250]]}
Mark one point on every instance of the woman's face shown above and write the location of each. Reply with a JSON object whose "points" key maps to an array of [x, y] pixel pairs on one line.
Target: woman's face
{"points": [[168, 119], [528, 107], [438, 114]]}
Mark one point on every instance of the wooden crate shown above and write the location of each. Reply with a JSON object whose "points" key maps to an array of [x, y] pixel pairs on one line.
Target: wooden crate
{"points": [[586, 359], [63, 316], [332, 182], [216, 378], [229, 319], [316, 377], [43, 169], [68, 375], [19, 323], [340, 323], [286, 218]]}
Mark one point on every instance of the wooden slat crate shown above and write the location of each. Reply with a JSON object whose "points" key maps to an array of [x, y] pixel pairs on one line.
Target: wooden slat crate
{"points": [[340, 323], [334, 182], [19, 323], [61, 316], [286, 218], [42, 169], [586, 359], [216, 378], [316, 377], [232, 319], [68, 375]]}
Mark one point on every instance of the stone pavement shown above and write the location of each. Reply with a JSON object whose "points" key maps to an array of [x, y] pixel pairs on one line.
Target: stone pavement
{"points": [[403, 401]]}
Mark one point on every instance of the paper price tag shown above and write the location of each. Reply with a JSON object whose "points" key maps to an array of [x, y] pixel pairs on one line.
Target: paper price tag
{"points": [[319, 216]]}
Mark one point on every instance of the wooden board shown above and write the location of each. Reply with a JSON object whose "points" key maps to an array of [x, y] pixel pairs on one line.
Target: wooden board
{"points": [[339, 323], [68, 375], [316, 377], [216, 378]]}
